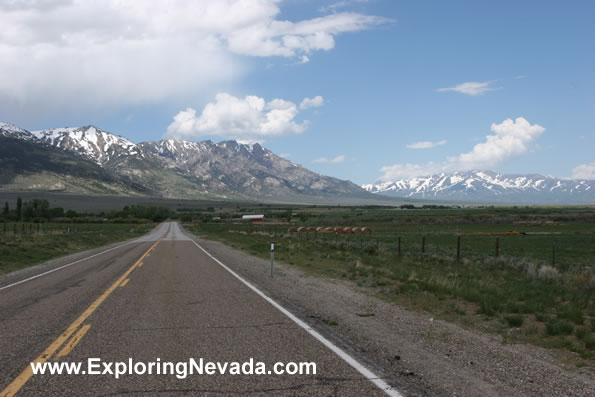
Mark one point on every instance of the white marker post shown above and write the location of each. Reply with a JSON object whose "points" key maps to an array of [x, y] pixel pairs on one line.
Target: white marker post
{"points": [[272, 256]]}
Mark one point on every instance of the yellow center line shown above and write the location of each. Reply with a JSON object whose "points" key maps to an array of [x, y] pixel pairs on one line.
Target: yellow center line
{"points": [[141, 264], [124, 282], [20, 380], [73, 341]]}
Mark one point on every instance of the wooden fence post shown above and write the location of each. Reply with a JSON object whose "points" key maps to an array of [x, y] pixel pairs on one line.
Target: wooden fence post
{"points": [[423, 244], [497, 246]]}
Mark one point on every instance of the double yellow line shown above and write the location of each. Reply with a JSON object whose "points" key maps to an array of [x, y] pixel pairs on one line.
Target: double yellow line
{"points": [[20, 380]]}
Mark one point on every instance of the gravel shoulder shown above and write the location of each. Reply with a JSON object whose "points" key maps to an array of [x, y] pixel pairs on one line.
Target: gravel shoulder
{"points": [[417, 354]]}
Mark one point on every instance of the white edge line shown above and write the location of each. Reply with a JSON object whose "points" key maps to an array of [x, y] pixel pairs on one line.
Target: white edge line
{"points": [[72, 263], [369, 375], [63, 266]]}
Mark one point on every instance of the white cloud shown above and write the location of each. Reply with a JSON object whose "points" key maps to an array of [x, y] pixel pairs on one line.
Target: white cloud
{"points": [[248, 118], [425, 144], [334, 7], [315, 102], [473, 88], [584, 171], [338, 159], [511, 138], [65, 53]]}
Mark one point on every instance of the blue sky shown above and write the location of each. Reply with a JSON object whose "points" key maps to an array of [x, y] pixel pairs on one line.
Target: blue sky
{"points": [[407, 87]]}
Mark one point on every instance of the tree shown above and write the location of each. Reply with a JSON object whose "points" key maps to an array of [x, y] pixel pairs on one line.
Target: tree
{"points": [[19, 208], [6, 210]]}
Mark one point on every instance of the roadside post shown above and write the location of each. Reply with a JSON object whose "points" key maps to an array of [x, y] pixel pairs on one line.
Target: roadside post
{"points": [[272, 256], [497, 246]]}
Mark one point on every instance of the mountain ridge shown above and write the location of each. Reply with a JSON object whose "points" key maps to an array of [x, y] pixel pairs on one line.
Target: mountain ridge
{"points": [[489, 186], [185, 169]]}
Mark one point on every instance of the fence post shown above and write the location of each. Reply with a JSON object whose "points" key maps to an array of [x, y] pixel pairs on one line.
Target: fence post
{"points": [[497, 246], [458, 248], [272, 256], [22, 228], [14, 228], [554, 253], [423, 244], [398, 246], [4, 227]]}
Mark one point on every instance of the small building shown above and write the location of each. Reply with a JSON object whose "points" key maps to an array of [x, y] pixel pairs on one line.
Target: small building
{"points": [[253, 218]]}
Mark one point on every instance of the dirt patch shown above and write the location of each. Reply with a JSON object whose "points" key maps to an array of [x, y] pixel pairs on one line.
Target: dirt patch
{"points": [[414, 352]]}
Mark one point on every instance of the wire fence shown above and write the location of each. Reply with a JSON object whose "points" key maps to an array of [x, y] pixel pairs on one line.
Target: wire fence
{"points": [[560, 249]]}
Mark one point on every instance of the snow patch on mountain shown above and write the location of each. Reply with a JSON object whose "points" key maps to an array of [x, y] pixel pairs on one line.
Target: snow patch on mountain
{"points": [[96, 145], [488, 186]]}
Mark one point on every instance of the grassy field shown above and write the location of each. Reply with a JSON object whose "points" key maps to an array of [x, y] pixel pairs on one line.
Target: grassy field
{"points": [[28, 247], [537, 288]]}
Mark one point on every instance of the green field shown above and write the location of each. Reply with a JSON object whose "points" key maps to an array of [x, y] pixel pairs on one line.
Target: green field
{"points": [[537, 288], [22, 245]]}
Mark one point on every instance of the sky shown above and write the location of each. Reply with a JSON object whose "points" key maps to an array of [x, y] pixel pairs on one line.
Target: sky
{"points": [[363, 90]]}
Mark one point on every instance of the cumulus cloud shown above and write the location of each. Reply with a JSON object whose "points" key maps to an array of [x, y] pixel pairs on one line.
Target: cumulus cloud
{"points": [[473, 88], [64, 53], [425, 144], [336, 160], [510, 139], [584, 171], [248, 118], [315, 102]]}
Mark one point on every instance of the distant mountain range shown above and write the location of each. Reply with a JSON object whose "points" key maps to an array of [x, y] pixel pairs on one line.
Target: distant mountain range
{"points": [[490, 187], [88, 160]]}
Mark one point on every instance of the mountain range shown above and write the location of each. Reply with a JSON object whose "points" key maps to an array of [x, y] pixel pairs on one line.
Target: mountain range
{"points": [[88, 160], [490, 187]]}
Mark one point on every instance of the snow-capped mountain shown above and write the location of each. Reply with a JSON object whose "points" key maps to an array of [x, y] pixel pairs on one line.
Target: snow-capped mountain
{"points": [[11, 130], [171, 168], [90, 142], [487, 186]]}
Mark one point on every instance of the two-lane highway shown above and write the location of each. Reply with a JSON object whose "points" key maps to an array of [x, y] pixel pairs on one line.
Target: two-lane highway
{"points": [[162, 299]]}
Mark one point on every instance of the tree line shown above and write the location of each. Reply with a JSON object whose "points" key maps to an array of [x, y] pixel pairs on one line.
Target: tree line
{"points": [[39, 210]]}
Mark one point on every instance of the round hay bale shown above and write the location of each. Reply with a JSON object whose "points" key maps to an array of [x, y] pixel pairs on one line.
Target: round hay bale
{"points": [[302, 229], [366, 230], [329, 230], [319, 229], [347, 230], [292, 230], [356, 230], [311, 230]]}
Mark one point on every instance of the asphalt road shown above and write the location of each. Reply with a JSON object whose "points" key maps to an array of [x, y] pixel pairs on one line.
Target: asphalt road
{"points": [[160, 299]]}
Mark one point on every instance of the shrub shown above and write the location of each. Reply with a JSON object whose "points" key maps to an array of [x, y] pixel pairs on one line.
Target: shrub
{"points": [[515, 320], [559, 327], [547, 272]]}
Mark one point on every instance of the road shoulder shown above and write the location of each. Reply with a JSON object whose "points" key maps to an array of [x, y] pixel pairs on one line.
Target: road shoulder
{"points": [[416, 353]]}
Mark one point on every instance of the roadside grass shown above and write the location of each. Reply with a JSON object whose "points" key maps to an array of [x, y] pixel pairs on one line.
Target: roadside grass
{"points": [[29, 248], [538, 290]]}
